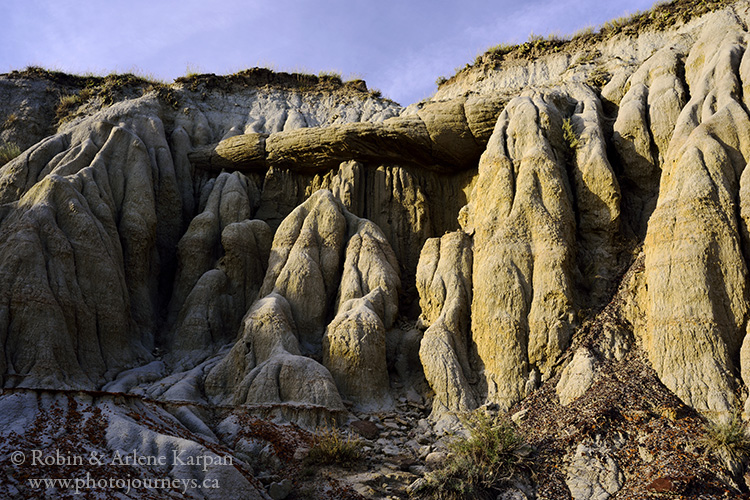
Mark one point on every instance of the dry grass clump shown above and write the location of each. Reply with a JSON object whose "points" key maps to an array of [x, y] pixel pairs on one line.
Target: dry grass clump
{"points": [[570, 136], [333, 446], [8, 151], [730, 437], [478, 465]]}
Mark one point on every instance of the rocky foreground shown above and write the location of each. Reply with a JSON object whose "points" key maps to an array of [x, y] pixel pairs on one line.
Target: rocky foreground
{"points": [[205, 276]]}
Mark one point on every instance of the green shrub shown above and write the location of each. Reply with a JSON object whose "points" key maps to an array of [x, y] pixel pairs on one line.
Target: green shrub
{"points": [[731, 437], [533, 37], [332, 446], [8, 151], [70, 101], [616, 25], [497, 51], [478, 465]]}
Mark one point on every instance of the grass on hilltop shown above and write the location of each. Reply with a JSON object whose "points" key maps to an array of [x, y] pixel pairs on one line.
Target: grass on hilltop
{"points": [[660, 17]]}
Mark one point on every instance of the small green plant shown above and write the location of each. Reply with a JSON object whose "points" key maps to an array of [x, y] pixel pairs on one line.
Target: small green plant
{"points": [[570, 136], [616, 25], [730, 437], [556, 36], [478, 465], [8, 151], [332, 446], [70, 101], [498, 51]]}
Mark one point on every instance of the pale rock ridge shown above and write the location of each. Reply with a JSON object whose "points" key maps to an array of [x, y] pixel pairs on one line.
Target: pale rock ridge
{"points": [[370, 264], [265, 365], [344, 183], [306, 283], [645, 122], [521, 216], [354, 351], [306, 268], [354, 344], [96, 212], [445, 289], [545, 217], [597, 198], [695, 270], [304, 265], [222, 258], [213, 310]]}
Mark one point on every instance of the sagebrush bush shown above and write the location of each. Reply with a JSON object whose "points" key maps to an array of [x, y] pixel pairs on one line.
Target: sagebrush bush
{"points": [[731, 437], [478, 465], [332, 446]]}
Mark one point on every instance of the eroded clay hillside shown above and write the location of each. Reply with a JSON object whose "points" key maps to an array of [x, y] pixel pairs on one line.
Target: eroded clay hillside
{"points": [[563, 239]]}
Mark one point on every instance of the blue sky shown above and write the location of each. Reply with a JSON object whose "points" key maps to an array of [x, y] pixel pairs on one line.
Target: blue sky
{"points": [[400, 47]]}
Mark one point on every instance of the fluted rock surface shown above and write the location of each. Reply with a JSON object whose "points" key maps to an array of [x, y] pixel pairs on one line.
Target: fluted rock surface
{"points": [[538, 209], [89, 220], [303, 287], [354, 351], [695, 269], [444, 282], [265, 365]]}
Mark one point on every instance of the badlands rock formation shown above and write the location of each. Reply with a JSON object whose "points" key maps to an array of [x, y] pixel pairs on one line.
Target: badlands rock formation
{"points": [[291, 248]]}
